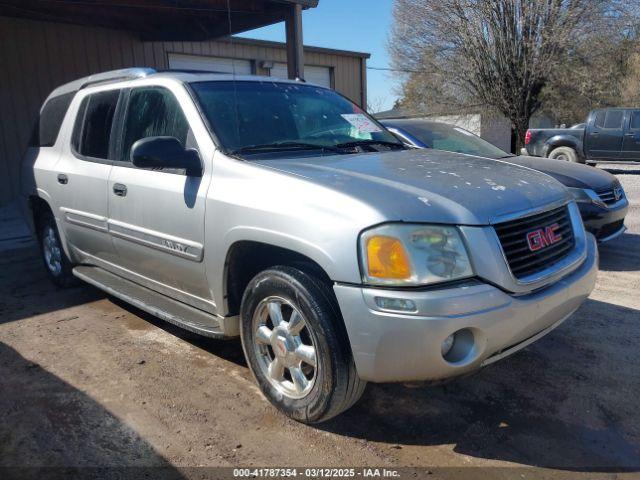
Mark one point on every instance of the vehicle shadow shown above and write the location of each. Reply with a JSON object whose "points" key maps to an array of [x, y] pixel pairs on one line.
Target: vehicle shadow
{"points": [[621, 254], [228, 349], [556, 404], [23, 280], [50, 429]]}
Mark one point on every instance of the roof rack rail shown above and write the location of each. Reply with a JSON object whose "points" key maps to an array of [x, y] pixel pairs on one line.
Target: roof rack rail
{"points": [[111, 76]]}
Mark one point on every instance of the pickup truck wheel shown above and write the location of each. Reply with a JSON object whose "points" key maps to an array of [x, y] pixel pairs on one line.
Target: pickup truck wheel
{"points": [[566, 154], [56, 262], [295, 345]]}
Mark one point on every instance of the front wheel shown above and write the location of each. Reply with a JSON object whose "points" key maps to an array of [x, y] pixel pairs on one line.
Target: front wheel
{"points": [[296, 346]]}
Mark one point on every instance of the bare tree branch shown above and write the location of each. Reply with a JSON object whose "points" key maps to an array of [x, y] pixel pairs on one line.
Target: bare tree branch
{"points": [[496, 54]]}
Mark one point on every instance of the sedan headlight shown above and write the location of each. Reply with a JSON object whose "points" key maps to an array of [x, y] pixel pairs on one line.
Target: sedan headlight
{"points": [[410, 255], [585, 195]]}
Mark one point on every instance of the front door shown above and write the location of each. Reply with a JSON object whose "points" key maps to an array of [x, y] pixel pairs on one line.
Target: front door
{"points": [[157, 217], [604, 138]]}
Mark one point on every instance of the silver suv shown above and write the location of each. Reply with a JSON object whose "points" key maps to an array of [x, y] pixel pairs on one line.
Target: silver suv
{"points": [[280, 212]]}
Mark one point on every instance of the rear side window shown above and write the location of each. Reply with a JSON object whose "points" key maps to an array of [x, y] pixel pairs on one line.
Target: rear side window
{"points": [[47, 127], [614, 119], [92, 132], [154, 112], [635, 120]]}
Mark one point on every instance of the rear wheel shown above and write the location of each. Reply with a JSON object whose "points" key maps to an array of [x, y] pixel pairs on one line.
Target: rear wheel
{"points": [[56, 262], [296, 346], [566, 154]]}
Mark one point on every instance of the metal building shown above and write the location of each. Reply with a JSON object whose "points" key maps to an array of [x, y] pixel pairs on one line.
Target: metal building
{"points": [[46, 43]]}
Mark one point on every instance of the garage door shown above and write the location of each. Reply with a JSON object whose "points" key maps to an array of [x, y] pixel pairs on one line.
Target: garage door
{"points": [[312, 74], [179, 61]]}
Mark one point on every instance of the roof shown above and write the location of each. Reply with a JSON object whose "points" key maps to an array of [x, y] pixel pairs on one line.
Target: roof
{"points": [[195, 20], [395, 113], [130, 74]]}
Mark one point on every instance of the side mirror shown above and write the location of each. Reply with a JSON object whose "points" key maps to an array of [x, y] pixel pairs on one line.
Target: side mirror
{"points": [[165, 152]]}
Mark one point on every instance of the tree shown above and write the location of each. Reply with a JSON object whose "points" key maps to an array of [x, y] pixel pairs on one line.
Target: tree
{"points": [[603, 70], [496, 55]]}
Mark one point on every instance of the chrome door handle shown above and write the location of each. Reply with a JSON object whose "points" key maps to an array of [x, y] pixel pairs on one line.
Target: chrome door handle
{"points": [[120, 190]]}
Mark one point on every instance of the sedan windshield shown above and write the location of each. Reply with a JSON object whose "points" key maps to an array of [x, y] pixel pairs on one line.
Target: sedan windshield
{"points": [[452, 139], [250, 117]]}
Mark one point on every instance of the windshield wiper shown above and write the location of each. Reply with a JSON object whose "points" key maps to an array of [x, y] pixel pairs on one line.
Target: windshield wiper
{"points": [[278, 146], [365, 143]]}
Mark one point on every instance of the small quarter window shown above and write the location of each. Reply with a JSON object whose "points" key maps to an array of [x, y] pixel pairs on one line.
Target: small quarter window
{"points": [[47, 127], [93, 128]]}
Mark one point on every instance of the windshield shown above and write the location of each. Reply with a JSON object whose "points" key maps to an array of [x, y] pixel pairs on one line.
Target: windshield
{"points": [[253, 115], [452, 139]]}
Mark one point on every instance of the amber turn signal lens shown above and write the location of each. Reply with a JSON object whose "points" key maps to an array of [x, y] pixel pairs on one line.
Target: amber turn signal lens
{"points": [[386, 258]]}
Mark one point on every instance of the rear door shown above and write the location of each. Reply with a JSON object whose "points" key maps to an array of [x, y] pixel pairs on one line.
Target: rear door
{"points": [[631, 146], [605, 136], [157, 217], [82, 176]]}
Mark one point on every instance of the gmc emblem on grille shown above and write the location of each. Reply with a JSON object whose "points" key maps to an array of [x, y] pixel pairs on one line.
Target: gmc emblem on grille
{"points": [[543, 237]]}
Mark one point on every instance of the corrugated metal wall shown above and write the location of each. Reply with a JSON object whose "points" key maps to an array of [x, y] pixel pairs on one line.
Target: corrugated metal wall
{"points": [[35, 57]]}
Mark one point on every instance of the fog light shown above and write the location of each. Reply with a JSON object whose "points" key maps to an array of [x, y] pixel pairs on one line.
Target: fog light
{"points": [[460, 346], [396, 304], [447, 344]]}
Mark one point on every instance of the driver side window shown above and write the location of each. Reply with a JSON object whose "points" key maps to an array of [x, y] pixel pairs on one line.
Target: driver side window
{"points": [[154, 112]]}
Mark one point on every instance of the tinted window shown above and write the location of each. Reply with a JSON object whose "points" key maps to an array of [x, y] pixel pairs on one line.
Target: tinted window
{"points": [[600, 118], [614, 119], [635, 120], [153, 112], [50, 120], [93, 128], [245, 114], [449, 138]]}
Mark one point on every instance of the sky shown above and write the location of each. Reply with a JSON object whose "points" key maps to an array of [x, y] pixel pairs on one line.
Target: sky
{"points": [[360, 25]]}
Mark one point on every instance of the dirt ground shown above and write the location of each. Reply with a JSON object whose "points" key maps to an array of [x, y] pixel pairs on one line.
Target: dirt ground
{"points": [[87, 381]]}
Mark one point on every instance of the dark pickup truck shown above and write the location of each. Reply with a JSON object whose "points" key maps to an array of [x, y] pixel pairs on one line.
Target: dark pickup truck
{"points": [[610, 135]]}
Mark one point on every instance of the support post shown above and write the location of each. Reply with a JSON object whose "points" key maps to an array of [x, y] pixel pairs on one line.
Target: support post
{"points": [[295, 50]]}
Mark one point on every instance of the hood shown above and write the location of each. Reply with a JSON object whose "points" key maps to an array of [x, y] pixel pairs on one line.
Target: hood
{"points": [[573, 175], [429, 186]]}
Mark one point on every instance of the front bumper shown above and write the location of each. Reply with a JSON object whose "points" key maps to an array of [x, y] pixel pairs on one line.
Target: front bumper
{"points": [[605, 223], [392, 347]]}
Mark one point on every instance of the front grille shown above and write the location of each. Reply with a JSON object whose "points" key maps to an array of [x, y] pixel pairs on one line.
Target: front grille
{"points": [[608, 195], [513, 238]]}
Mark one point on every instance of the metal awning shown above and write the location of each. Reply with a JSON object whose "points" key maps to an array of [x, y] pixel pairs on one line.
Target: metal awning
{"points": [[189, 20]]}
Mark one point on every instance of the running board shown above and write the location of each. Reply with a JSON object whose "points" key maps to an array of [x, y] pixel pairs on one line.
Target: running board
{"points": [[152, 302]]}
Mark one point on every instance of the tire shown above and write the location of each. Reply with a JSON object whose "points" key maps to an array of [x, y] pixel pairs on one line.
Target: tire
{"points": [[58, 266], [275, 349], [565, 153]]}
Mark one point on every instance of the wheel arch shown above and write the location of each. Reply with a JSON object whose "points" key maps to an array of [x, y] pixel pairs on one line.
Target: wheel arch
{"points": [[244, 259], [562, 141]]}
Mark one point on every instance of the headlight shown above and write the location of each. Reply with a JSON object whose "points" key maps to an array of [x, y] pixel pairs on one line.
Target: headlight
{"points": [[585, 195], [401, 254]]}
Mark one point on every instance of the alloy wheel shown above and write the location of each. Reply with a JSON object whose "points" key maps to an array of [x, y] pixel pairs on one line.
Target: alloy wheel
{"points": [[52, 251], [284, 347]]}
